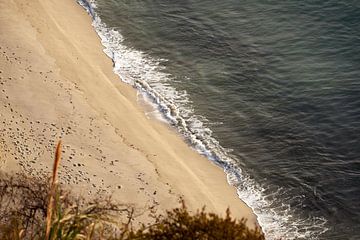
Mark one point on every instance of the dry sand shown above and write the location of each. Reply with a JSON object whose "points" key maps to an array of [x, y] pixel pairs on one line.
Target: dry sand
{"points": [[56, 83]]}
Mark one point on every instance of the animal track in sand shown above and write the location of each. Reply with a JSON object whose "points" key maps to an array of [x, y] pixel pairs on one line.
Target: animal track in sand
{"points": [[33, 140]]}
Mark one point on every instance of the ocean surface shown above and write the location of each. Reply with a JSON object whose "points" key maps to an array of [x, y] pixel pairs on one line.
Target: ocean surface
{"points": [[268, 90]]}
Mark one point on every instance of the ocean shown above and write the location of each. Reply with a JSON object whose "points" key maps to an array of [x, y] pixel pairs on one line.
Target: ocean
{"points": [[267, 90]]}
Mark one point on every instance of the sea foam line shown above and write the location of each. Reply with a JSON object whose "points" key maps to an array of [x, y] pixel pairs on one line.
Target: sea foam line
{"points": [[145, 74]]}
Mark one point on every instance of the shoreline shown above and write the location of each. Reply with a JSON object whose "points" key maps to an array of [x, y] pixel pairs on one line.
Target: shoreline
{"points": [[77, 97]]}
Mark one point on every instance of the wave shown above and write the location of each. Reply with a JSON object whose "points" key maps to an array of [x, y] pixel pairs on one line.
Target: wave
{"points": [[147, 76]]}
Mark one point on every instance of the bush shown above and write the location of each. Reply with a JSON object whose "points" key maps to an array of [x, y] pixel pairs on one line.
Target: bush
{"points": [[180, 224], [35, 208], [24, 206]]}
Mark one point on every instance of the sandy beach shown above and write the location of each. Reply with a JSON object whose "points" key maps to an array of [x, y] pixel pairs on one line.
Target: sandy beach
{"points": [[56, 83]]}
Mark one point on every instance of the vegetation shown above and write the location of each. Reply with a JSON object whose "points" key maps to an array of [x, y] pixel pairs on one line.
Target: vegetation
{"points": [[34, 208]]}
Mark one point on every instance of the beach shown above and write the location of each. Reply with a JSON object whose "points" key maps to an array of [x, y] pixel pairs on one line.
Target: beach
{"points": [[57, 83]]}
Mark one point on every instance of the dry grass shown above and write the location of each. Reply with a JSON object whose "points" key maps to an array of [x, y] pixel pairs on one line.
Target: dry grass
{"points": [[179, 224], [53, 189], [37, 208]]}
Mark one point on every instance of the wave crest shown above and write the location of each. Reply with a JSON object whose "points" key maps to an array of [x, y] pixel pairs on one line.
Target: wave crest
{"points": [[147, 76]]}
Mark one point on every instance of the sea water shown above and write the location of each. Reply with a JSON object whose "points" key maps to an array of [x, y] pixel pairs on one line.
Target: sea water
{"points": [[267, 90]]}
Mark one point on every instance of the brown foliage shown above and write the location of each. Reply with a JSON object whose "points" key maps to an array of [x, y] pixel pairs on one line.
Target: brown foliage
{"points": [[22, 199], [182, 225], [35, 208], [24, 206]]}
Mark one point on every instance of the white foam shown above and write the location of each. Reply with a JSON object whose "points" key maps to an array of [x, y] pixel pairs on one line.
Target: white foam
{"points": [[145, 74]]}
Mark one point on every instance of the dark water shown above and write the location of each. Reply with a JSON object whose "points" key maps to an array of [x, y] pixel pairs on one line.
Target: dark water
{"points": [[271, 90]]}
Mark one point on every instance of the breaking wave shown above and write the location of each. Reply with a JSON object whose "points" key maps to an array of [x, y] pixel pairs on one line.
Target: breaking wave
{"points": [[147, 76]]}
